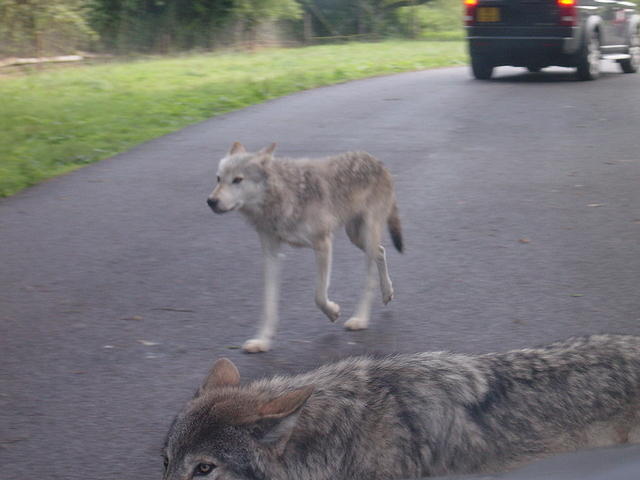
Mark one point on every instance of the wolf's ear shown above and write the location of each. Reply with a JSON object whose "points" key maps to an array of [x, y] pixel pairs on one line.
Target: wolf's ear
{"points": [[237, 147], [286, 404], [223, 374], [268, 150], [278, 418]]}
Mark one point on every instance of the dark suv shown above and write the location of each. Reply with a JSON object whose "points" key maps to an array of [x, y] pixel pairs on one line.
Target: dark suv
{"points": [[539, 33]]}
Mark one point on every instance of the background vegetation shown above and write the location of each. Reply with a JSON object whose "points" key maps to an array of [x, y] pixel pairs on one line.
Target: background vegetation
{"points": [[55, 119], [59, 120], [48, 27]]}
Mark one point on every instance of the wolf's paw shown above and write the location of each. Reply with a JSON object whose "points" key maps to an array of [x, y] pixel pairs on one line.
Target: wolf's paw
{"points": [[356, 323], [332, 311], [387, 295], [256, 345]]}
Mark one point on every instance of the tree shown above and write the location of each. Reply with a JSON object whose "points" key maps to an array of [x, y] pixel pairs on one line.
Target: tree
{"points": [[249, 15], [439, 16], [162, 25], [350, 17], [158, 25], [38, 27]]}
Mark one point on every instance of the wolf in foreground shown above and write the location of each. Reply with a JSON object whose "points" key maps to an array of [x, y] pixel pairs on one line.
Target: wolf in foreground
{"points": [[410, 416], [302, 202]]}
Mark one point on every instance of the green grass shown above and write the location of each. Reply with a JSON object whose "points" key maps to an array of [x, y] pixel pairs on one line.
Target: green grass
{"points": [[55, 121]]}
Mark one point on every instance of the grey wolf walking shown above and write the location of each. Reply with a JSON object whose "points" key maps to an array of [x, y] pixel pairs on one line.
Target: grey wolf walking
{"points": [[409, 416], [301, 202]]}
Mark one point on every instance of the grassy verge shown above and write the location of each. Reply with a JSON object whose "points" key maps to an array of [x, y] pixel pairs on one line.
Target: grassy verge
{"points": [[56, 121]]}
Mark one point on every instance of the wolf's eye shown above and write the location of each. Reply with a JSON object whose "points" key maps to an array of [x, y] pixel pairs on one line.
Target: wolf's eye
{"points": [[204, 469], [237, 180]]}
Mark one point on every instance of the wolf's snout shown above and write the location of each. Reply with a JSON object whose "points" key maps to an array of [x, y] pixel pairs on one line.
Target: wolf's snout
{"points": [[213, 203]]}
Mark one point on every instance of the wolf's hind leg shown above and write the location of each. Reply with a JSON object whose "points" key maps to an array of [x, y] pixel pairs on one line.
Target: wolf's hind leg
{"points": [[354, 229], [368, 238], [323, 251], [360, 319], [386, 287]]}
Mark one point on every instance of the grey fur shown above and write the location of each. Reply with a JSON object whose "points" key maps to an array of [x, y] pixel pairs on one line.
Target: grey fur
{"points": [[301, 202], [408, 416]]}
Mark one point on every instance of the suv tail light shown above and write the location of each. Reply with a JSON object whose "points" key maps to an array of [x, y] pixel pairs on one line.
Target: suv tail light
{"points": [[568, 13], [470, 11]]}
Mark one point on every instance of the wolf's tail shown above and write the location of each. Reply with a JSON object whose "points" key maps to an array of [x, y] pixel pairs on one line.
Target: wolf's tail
{"points": [[395, 229]]}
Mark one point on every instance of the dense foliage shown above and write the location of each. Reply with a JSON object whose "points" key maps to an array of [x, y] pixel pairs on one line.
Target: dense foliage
{"points": [[60, 119], [42, 27]]}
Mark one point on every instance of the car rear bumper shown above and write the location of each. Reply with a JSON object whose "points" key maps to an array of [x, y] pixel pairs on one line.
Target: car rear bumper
{"points": [[525, 46]]}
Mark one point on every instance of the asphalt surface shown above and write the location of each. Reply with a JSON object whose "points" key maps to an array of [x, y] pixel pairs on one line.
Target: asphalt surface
{"points": [[520, 203]]}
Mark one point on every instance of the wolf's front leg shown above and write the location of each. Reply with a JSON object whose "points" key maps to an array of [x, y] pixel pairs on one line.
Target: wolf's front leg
{"points": [[323, 252], [269, 322]]}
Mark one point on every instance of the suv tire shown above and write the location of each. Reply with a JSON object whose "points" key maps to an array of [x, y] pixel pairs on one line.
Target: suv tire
{"points": [[589, 61], [481, 68], [632, 64]]}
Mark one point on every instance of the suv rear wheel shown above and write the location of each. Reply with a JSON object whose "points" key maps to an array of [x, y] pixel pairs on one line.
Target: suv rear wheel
{"points": [[589, 61], [632, 64], [481, 68]]}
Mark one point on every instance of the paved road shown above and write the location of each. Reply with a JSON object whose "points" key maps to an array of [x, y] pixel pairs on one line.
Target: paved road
{"points": [[520, 203]]}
